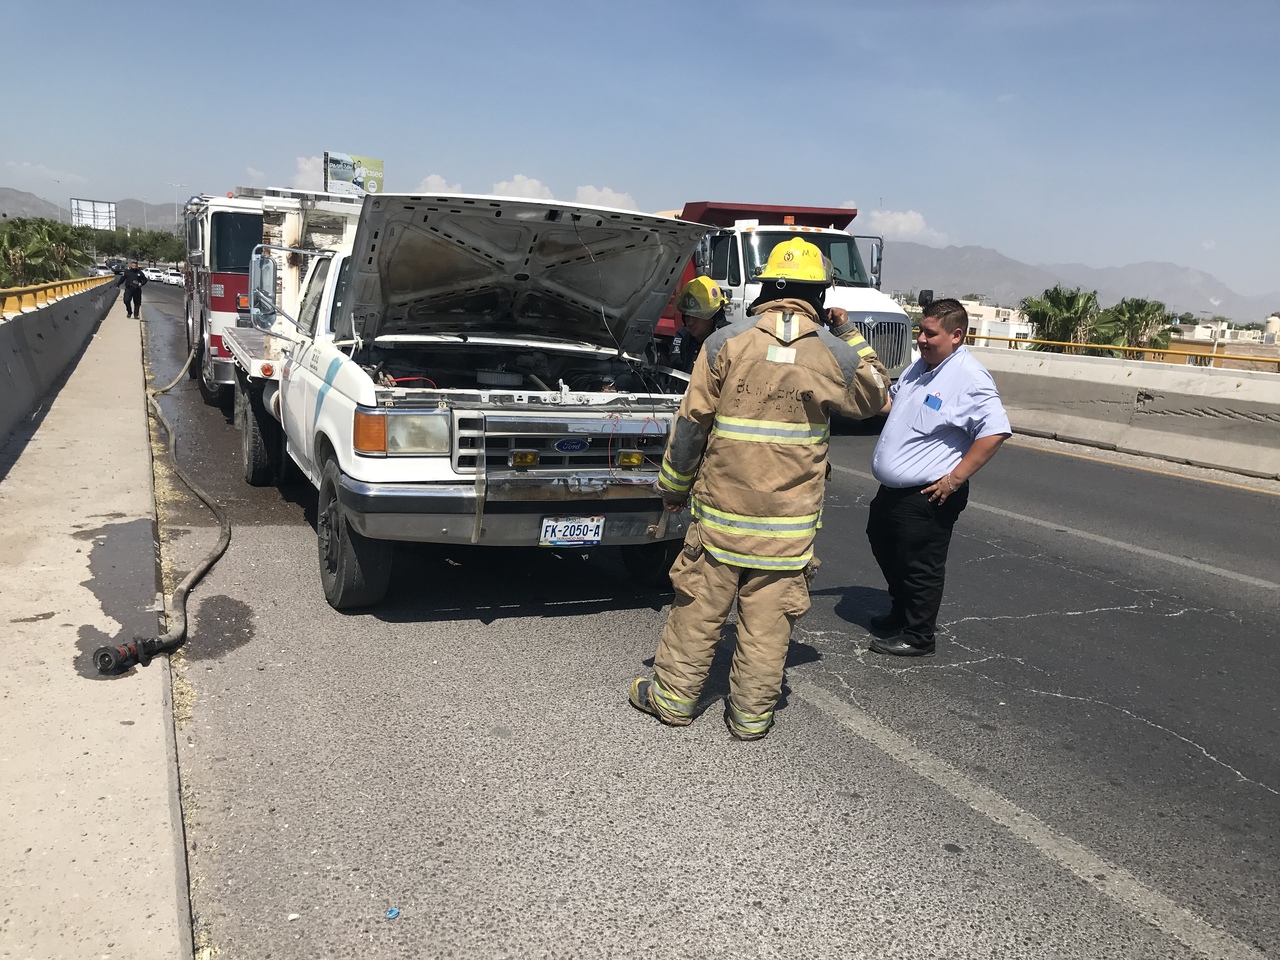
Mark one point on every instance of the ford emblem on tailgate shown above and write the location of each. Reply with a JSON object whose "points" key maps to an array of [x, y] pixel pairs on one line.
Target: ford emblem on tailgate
{"points": [[572, 445]]}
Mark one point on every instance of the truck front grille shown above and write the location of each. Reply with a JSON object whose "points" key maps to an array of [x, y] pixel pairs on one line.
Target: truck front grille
{"points": [[494, 438], [890, 338]]}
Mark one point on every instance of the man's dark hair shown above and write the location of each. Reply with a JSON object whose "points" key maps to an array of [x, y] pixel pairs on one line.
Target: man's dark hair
{"points": [[949, 313]]}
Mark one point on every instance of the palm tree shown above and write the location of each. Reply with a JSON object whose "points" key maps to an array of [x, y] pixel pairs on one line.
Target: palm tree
{"points": [[22, 256], [1139, 323], [1063, 316], [66, 254], [39, 251]]}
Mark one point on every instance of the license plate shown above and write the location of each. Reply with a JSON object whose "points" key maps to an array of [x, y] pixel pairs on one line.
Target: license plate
{"points": [[571, 531]]}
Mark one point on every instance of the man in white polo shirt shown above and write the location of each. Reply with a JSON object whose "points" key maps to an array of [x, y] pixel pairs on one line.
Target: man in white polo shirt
{"points": [[945, 422]]}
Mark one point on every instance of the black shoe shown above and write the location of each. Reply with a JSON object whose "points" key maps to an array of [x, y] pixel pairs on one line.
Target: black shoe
{"points": [[899, 647], [893, 620]]}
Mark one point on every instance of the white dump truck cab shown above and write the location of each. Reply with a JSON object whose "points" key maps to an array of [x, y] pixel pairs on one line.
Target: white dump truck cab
{"points": [[471, 371], [736, 252]]}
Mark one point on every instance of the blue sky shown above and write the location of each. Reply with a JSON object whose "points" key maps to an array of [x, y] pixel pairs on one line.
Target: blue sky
{"points": [[1103, 133]]}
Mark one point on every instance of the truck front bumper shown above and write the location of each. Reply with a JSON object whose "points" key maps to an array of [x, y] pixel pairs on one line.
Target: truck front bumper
{"points": [[508, 514]]}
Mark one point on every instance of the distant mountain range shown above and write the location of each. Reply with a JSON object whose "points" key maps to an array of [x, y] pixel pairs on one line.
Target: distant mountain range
{"points": [[948, 271], [129, 213], [955, 271]]}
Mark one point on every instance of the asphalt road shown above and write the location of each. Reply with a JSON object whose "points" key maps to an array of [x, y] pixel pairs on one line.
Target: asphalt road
{"points": [[1087, 769]]}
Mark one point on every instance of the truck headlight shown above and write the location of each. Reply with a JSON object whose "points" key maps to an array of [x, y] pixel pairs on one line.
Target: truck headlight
{"points": [[380, 433], [409, 433]]}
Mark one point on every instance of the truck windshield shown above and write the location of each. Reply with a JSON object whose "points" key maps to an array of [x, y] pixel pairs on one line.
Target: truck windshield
{"points": [[232, 239], [840, 249]]}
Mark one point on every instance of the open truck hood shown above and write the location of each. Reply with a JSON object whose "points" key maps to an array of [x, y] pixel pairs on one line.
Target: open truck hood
{"points": [[498, 266]]}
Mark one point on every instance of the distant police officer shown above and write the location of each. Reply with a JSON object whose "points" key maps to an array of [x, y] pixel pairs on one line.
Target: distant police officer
{"points": [[132, 280], [748, 453], [701, 303], [945, 422]]}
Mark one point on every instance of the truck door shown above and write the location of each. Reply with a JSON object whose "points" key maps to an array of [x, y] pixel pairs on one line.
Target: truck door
{"points": [[726, 269], [299, 381]]}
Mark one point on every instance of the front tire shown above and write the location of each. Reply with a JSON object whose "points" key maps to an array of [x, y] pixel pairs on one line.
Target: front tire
{"points": [[650, 563], [213, 394], [355, 571], [193, 342], [259, 437]]}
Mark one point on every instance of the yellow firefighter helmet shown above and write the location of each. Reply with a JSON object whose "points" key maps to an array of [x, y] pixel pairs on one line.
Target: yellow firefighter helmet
{"points": [[797, 260], [701, 297]]}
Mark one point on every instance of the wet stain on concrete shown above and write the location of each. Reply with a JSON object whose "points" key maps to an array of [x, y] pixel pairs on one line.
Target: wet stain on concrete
{"points": [[122, 575], [35, 618], [222, 624]]}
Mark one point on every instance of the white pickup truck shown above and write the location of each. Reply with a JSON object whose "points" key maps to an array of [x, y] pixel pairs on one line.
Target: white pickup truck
{"points": [[470, 370]]}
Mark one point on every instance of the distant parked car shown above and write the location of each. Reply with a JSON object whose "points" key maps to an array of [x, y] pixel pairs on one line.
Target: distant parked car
{"points": [[155, 274], [101, 270], [174, 277]]}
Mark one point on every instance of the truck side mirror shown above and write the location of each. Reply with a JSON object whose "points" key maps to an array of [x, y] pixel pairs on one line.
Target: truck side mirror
{"points": [[262, 291], [925, 298], [702, 256], [877, 253]]}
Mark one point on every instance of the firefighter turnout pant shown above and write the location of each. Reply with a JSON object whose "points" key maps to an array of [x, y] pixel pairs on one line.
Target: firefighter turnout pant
{"points": [[769, 603]]}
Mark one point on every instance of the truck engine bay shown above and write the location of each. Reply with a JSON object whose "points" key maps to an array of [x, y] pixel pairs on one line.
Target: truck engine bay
{"points": [[489, 367]]}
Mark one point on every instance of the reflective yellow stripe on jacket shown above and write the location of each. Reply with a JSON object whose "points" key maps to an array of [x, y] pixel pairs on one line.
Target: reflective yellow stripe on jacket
{"points": [[756, 562], [859, 343], [673, 479], [770, 431], [776, 527]]}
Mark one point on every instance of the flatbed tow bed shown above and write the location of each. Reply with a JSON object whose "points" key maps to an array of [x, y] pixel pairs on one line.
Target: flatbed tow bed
{"points": [[259, 359], [258, 355]]}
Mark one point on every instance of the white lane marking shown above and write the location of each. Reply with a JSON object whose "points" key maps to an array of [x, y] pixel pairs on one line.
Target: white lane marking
{"points": [[1112, 881], [1105, 541]]}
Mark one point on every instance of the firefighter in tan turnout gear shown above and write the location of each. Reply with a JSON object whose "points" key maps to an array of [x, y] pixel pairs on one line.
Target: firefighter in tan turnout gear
{"points": [[748, 453]]}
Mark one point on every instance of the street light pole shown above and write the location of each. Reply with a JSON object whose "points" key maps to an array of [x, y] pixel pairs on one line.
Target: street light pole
{"points": [[175, 202]]}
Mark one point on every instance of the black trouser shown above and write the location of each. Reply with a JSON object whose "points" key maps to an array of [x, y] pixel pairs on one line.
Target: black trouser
{"points": [[132, 295], [909, 537]]}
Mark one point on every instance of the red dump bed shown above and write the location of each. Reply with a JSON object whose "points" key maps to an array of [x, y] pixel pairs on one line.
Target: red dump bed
{"points": [[716, 213]]}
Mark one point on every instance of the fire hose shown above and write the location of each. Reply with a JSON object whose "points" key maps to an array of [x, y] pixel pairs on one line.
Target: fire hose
{"points": [[142, 649]]}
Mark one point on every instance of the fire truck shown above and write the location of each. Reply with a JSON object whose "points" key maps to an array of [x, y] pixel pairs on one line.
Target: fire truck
{"points": [[222, 233], [738, 247]]}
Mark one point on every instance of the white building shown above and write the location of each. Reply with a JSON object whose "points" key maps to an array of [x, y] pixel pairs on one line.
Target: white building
{"points": [[1214, 332], [991, 321]]}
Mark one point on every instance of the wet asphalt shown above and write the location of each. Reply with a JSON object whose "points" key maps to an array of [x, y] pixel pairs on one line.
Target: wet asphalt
{"points": [[1088, 762]]}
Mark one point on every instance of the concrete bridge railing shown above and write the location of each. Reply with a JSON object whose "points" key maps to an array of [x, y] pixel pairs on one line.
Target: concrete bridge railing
{"points": [[42, 331], [1226, 419]]}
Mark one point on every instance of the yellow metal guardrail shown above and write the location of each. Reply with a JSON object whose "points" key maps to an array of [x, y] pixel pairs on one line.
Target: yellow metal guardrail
{"points": [[1150, 354], [16, 300]]}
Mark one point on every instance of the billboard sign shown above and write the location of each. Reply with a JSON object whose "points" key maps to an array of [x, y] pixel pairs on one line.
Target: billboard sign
{"points": [[349, 174], [96, 214]]}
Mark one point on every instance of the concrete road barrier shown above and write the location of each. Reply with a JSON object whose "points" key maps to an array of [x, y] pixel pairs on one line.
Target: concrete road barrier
{"points": [[37, 346], [1225, 419]]}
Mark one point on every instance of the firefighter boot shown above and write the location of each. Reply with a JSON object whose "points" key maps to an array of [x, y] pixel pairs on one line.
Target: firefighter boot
{"points": [[649, 696], [746, 726]]}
